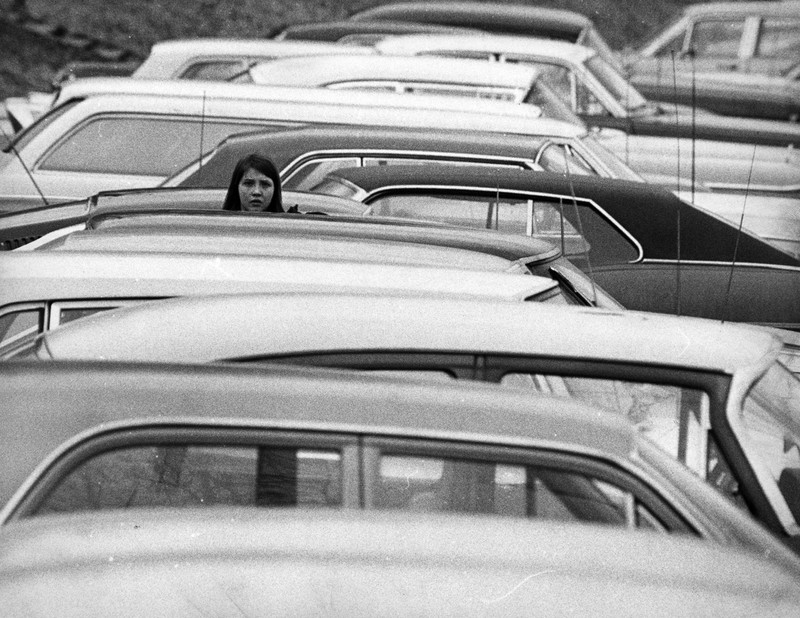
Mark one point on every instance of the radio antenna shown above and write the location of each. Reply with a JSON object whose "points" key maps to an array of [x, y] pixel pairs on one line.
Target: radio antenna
{"points": [[678, 214], [13, 149], [694, 123], [738, 235], [202, 130]]}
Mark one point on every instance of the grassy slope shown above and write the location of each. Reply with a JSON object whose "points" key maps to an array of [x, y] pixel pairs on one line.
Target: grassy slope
{"points": [[28, 61]]}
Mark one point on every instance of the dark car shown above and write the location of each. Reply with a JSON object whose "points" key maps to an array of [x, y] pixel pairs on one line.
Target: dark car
{"points": [[535, 21], [648, 248]]}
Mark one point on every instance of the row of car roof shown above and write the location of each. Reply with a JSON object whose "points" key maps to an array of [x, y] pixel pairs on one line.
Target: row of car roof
{"points": [[167, 325]]}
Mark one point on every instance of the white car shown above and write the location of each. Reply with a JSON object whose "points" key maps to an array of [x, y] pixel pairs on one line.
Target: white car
{"points": [[118, 133]]}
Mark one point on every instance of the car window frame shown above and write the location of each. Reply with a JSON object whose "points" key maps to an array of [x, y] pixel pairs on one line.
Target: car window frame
{"points": [[70, 456], [581, 463]]}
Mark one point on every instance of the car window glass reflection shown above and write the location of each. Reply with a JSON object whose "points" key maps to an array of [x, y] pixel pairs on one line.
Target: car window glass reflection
{"points": [[448, 485], [717, 38], [17, 326], [195, 476], [675, 418]]}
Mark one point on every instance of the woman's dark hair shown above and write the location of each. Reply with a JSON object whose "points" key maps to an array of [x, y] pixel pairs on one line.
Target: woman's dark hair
{"points": [[260, 164]]}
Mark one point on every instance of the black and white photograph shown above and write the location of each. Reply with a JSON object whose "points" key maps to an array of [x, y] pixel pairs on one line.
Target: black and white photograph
{"points": [[422, 308]]}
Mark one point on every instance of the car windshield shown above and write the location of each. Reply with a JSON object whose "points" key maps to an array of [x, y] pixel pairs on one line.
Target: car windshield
{"points": [[616, 167], [770, 437], [616, 85]]}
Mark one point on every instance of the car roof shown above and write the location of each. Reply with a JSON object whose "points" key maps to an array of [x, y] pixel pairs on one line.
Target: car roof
{"points": [[290, 147], [264, 561], [420, 43], [785, 7], [331, 70], [95, 398], [321, 105], [622, 200], [196, 330], [167, 57], [105, 273], [348, 31], [511, 16]]}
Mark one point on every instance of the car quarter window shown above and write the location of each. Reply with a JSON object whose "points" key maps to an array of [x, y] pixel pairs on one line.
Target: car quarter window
{"points": [[530, 483], [779, 37], [717, 38], [214, 70], [550, 218], [19, 325], [138, 145], [194, 469], [676, 418]]}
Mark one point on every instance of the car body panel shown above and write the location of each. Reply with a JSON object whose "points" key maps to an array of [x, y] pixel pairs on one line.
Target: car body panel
{"points": [[365, 563]]}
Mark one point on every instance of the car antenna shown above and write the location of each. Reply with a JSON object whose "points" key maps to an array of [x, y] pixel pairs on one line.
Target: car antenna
{"points": [[13, 149], [678, 206], [694, 114], [580, 228], [738, 235], [202, 130]]}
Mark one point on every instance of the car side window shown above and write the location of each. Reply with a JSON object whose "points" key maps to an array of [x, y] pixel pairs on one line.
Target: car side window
{"points": [[717, 38], [412, 482], [779, 37], [20, 325], [676, 418], [137, 145], [214, 70], [199, 475], [548, 218]]}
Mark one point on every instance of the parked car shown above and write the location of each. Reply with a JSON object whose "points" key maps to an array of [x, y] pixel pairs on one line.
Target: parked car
{"points": [[190, 221], [304, 155], [714, 396], [519, 19], [740, 58], [307, 154], [42, 290], [339, 440], [285, 562], [425, 76], [218, 59], [645, 246], [595, 89], [157, 127]]}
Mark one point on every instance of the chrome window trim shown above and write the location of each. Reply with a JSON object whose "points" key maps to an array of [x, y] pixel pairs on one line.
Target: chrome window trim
{"points": [[294, 166], [493, 191], [723, 262]]}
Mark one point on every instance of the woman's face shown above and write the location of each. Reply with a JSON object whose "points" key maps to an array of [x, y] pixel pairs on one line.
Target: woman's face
{"points": [[255, 190]]}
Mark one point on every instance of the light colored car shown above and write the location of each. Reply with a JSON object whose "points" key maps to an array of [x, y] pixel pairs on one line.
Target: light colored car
{"points": [[202, 437], [119, 133], [409, 75], [745, 58], [713, 395], [190, 221], [226, 59], [723, 156], [280, 562]]}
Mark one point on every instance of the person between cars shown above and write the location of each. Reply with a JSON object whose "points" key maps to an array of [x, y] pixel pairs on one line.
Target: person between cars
{"points": [[255, 186]]}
